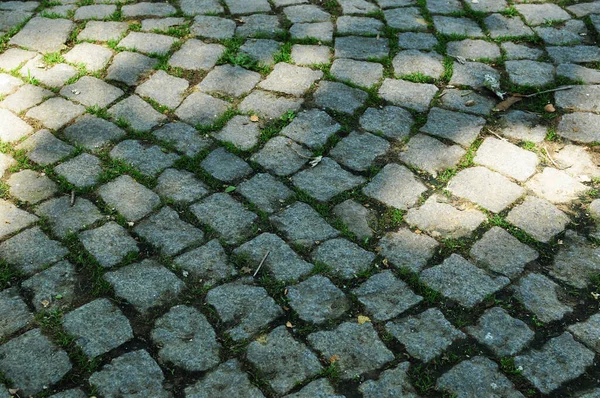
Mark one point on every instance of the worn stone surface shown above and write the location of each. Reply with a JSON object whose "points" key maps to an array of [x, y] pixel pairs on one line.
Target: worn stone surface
{"points": [[166, 231], [227, 379], [283, 360], [302, 225], [109, 328], [244, 308], [108, 244], [357, 346], [577, 261], [559, 360], [145, 284], [385, 296], [459, 280], [282, 262], [181, 183], [486, 188], [502, 333], [500, 252], [225, 215], [540, 295], [318, 300], [433, 156], [391, 121], [439, 218], [130, 198], [410, 95], [208, 263], [424, 335], [186, 339], [33, 362], [477, 377], [31, 251], [12, 303], [395, 186], [136, 370], [326, 180]]}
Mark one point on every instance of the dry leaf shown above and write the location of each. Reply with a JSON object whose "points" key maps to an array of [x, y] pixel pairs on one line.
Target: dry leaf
{"points": [[262, 339], [507, 103], [363, 319], [550, 108], [315, 161], [13, 391], [246, 270], [334, 358], [45, 303], [385, 262], [289, 324], [470, 103], [254, 118], [418, 231]]}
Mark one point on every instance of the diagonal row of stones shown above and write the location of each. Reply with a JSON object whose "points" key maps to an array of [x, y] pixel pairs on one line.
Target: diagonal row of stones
{"points": [[177, 195]]}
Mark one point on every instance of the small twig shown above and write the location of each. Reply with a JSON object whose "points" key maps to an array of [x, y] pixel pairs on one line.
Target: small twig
{"points": [[549, 91], [72, 197], [552, 160], [261, 263], [496, 134]]}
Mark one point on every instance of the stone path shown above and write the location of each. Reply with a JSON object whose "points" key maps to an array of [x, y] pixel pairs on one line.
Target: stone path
{"points": [[300, 198]]}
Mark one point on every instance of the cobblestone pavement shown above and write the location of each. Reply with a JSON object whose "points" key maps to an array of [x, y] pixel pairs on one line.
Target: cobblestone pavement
{"points": [[300, 198]]}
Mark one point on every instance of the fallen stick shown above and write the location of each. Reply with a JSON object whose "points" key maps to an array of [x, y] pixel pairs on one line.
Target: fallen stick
{"points": [[261, 263]]}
